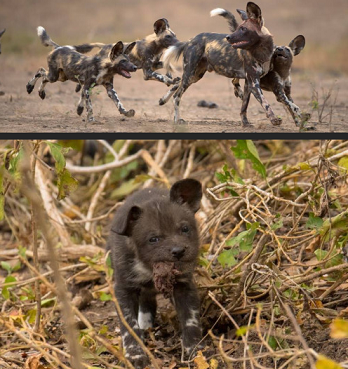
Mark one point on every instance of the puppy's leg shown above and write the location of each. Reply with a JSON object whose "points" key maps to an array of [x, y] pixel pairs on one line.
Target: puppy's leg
{"points": [[129, 303], [237, 89], [42, 92], [113, 96], [186, 302], [147, 308], [243, 111], [80, 105], [149, 74], [164, 99], [88, 102], [31, 84]]}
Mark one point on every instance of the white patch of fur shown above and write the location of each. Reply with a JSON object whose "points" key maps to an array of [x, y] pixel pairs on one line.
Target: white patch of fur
{"points": [[217, 11], [40, 31], [142, 274], [193, 321], [144, 320], [168, 56], [70, 47]]}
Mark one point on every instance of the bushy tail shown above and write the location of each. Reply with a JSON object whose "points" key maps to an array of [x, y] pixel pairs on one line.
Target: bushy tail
{"points": [[173, 54], [227, 15], [45, 39], [85, 48]]}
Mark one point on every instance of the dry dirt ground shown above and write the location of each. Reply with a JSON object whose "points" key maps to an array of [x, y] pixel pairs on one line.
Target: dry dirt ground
{"points": [[322, 63]]}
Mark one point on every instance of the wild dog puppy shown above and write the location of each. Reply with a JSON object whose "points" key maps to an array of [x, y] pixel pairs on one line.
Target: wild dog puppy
{"points": [[147, 52], [246, 53], [65, 63], [278, 79], [1, 33], [156, 227]]}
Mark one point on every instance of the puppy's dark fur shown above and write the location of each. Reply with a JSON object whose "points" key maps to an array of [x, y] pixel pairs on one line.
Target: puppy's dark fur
{"points": [[65, 63], [246, 53], [278, 79], [147, 52], [156, 225]]}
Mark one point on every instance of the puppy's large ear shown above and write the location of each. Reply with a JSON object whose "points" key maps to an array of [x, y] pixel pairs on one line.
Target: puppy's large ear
{"points": [[129, 48], [187, 191], [116, 50], [297, 44], [160, 25], [126, 221], [2, 32], [254, 12], [242, 14]]}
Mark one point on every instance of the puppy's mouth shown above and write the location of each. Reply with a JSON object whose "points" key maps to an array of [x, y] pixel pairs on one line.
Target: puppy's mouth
{"points": [[282, 56], [125, 73]]}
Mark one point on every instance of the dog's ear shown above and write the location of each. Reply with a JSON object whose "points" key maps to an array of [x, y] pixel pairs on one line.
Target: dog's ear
{"points": [[129, 48], [187, 191], [126, 221], [160, 25], [254, 12], [242, 14], [2, 32], [116, 50], [297, 44]]}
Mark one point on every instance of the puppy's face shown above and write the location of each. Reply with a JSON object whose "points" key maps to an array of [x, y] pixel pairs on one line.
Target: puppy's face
{"points": [[165, 36], [282, 57], [166, 232]]}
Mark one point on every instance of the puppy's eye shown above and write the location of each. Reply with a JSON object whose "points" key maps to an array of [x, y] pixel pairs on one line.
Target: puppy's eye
{"points": [[154, 239], [185, 229]]}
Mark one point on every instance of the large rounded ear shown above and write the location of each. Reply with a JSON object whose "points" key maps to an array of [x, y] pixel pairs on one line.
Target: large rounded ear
{"points": [[254, 12], [297, 44], [129, 48], [126, 221], [2, 32], [116, 50], [242, 14], [187, 191], [160, 25]]}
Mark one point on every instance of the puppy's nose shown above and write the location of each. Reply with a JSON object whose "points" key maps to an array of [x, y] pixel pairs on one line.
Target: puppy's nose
{"points": [[178, 252], [228, 37], [280, 48]]}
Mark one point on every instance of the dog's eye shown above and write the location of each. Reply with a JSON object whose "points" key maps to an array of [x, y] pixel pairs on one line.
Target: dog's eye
{"points": [[185, 229], [154, 239], [242, 28], [168, 37]]}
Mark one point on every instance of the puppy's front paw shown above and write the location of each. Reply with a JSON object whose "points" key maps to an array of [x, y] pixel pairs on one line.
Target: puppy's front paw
{"points": [[129, 113]]}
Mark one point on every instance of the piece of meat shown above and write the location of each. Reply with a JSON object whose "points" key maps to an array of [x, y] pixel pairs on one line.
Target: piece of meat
{"points": [[164, 274]]}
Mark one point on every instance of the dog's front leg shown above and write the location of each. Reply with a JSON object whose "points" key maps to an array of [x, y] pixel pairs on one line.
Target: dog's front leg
{"points": [[88, 102], [129, 304], [149, 74], [113, 96], [186, 302], [164, 99], [253, 79], [31, 84], [246, 98]]}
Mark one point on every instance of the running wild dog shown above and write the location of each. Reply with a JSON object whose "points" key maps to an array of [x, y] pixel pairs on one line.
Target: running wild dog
{"points": [[156, 226], [1, 33], [147, 52], [65, 63], [246, 54], [278, 79]]}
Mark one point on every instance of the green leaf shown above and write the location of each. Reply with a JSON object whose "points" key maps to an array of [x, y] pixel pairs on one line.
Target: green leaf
{"points": [[320, 254], [244, 239], [48, 302], [314, 222], [125, 189], [243, 330], [335, 226], [339, 329], [226, 258], [5, 293], [325, 363], [105, 296], [273, 342], [246, 149], [66, 184], [343, 163], [57, 151], [6, 266], [10, 279]]}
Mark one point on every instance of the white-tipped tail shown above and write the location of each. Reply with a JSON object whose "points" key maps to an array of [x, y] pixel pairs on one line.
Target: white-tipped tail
{"points": [[217, 11], [45, 39], [40, 31]]}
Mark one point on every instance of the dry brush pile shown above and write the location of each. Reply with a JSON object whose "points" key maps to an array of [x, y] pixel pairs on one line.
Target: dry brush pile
{"points": [[272, 271]]}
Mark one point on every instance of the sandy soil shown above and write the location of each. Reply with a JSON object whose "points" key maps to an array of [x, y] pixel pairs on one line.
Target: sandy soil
{"points": [[23, 55]]}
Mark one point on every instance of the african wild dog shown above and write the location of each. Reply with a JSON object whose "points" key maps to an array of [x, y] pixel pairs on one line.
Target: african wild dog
{"points": [[278, 79], [156, 226], [1, 33], [147, 52], [65, 63], [246, 53]]}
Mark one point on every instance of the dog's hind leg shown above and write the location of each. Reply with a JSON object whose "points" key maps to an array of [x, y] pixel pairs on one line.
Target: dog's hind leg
{"points": [[42, 92], [113, 96], [80, 105], [41, 73], [246, 98], [237, 89], [164, 99]]}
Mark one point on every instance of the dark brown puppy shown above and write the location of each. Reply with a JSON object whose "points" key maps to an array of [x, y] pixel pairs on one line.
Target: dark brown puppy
{"points": [[65, 63], [278, 79], [152, 229], [244, 54], [147, 52]]}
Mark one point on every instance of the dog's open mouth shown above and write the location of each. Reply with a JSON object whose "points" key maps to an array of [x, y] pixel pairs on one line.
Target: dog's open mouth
{"points": [[239, 43], [125, 73], [282, 56]]}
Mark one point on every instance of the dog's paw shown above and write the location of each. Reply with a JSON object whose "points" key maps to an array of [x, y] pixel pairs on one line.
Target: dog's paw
{"points": [[78, 88], [129, 113], [161, 101], [79, 110], [42, 94], [30, 88], [176, 80], [276, 121], [180, 121], [90, 119], [238, 93]]}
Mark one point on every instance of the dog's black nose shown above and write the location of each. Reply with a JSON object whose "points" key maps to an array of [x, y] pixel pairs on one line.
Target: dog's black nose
{"points": [[228, 37], [134, 68], [178, 252], [280, 48]]}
